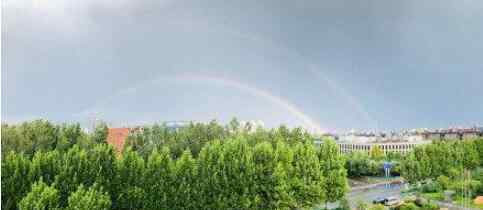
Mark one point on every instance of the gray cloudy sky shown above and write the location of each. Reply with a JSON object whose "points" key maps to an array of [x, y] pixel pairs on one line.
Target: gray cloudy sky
{"points": [[328, 65]]}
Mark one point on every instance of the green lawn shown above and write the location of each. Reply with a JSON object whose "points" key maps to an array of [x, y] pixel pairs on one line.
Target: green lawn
{"points": [[434, 196]]}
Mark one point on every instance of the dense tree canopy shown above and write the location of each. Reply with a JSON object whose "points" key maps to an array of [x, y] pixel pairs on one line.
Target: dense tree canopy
{"points": [[201, 166], [441, 158]]}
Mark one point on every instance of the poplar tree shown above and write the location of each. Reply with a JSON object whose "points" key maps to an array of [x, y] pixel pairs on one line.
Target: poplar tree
{"points": [[92, 198], [159, 177], [41, 197], [129, 193], [307, 176], [45, 166], [15, 179], [100, 133], [75, 169], [185, 195], [102, 159], [332, 166]]}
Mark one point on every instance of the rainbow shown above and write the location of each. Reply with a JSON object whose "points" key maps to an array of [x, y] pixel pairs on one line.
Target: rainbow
{"points": [[309, 123]]}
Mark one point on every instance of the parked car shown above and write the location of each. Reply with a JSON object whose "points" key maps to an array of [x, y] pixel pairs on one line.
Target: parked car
{"points": [[379, 200], [392, 201]]}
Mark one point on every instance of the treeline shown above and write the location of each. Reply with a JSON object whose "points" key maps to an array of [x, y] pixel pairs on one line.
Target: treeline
{"points": [[361, 163], [445, 167], [195, 135], [205, 166], [42, 135], [447, 158]]}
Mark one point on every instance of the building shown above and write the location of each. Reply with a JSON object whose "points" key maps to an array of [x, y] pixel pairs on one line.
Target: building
{"points": [[387, 147], [453, 133], [117, 137], [402, 142]]}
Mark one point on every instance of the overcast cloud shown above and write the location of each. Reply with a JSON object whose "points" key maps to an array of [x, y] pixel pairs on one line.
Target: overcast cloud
{"points": [[335, 65]]}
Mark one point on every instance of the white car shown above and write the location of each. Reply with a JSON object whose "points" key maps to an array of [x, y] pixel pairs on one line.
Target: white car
{"points": [[392, 201]]}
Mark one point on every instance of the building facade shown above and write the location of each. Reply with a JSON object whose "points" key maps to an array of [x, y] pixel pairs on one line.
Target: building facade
{"points": [[396, 147]]}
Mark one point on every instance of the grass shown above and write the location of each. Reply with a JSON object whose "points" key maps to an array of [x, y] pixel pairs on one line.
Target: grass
{"points": [[434, 196]]}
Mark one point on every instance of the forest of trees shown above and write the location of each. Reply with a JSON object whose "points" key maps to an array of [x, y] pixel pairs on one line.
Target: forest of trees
{"points": [[447, 158], [201, 166]]}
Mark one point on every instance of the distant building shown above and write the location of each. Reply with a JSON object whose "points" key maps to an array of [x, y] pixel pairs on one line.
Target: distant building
{"points": [[404, 141], [396, 147], [453, 134], [117, 137]]}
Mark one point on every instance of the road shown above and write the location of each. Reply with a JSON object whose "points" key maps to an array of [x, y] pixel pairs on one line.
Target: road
{"points": [[368, 194]]}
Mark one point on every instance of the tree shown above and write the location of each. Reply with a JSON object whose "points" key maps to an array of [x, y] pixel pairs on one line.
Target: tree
{"points": [[376, 152], [307, 178], [130, 193], [103, 166], [45, 166], [68, 135], [41, 197], [89, 199], [159, 180], [234, 126], [332, 166], [75, 169], [15, 179], [411, 169], [11, 139], [265, 179], [100, 133], [357, 164], [185, 182]]}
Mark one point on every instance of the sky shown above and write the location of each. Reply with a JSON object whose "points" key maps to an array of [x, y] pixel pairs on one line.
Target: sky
{"points": [[328, 66]]}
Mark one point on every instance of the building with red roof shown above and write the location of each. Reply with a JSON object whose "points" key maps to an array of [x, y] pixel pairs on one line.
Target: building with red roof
{"points": [[117, 137]]}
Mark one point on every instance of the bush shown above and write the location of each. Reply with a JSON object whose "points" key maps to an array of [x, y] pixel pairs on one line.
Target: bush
{"points": [[409, 206], [89, 199], [431, 187], [430, 206], [41, 197]]}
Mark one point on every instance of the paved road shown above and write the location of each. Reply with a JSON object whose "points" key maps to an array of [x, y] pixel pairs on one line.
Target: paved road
{"points": [[371, 192], [367, 194], [375, 191]]}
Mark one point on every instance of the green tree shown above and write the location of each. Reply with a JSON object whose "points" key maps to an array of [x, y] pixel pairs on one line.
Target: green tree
{"points": [[89, 199], [45, 166], [185, 182], [130, 193], [265, 181], [410, 169], [307, 177], [41, 197], [332, 166], [357, 164], [75, 169], [15, 179], [102, 160], [159, 177], [376, 152], [100, 133], [68, 135]]}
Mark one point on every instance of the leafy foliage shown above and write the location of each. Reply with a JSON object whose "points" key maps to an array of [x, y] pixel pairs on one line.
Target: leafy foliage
{"points": [[42, 197], [201, 166], [89, 199]]}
